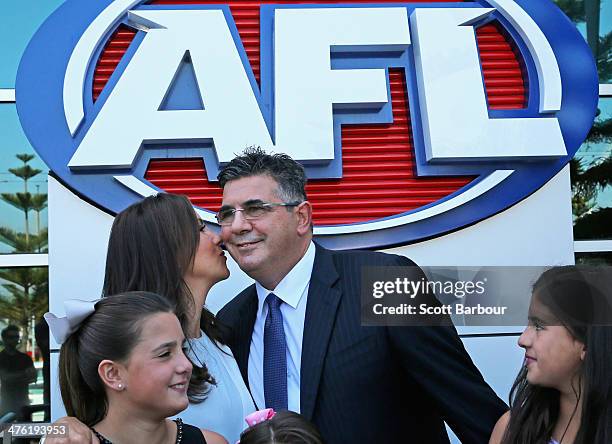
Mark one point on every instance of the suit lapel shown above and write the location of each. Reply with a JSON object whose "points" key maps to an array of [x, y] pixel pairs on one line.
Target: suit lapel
{"points": [[321, 308], [244, 331]]}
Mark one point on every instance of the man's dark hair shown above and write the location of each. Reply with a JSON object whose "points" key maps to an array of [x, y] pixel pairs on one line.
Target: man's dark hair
{"points": [[9, 329], [254, 161]]}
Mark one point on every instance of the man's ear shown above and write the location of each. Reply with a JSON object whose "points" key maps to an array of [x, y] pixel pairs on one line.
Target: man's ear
{"points": [[304, 213], [112, 375]]}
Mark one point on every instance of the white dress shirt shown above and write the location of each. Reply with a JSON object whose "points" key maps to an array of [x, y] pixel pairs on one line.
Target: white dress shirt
{"points": [[293, 291]]}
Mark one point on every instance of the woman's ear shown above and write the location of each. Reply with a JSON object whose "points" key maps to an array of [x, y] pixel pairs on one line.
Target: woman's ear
{"points": [[112, 375]]}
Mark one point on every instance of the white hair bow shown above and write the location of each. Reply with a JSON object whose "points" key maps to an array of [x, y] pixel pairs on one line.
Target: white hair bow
{"points": [[76, 312]]}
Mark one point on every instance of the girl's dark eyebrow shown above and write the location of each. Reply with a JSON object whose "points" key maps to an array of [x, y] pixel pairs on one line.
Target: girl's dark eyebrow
{"points": [[536, 319], [165, 345]]}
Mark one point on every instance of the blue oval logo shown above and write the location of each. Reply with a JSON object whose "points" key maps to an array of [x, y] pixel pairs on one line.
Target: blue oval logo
{"points": [[412, 120]]}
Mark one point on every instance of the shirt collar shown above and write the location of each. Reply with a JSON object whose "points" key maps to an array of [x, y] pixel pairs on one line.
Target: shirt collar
{"points": [[292, 286]]}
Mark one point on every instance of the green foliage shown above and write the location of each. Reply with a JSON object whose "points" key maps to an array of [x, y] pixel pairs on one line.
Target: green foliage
{"points": [[604, 58], [27, 296], [25, 158], [574, 9], [19, 243], [38, 202], [25, 172], [587, 182], [597, 221], [25, 290], [576, 12], [600, 174], [584, 192], [21, 201]]}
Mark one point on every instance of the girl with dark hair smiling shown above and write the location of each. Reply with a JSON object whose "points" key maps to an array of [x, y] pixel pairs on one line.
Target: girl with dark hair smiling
{"points": [[122, 369], [563, 393], [160, 245]]}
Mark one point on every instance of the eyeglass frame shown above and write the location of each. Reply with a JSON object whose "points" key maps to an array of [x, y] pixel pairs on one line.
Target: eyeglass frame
{"points": [[265, 205]]}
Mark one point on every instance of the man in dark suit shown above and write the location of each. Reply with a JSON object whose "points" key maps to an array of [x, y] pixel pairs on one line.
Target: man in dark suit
{"points": [[297, 335]]}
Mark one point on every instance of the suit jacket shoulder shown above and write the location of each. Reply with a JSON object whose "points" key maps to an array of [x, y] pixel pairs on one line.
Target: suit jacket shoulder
{"points": [[350, 265], [415, 376], [237, 303]]}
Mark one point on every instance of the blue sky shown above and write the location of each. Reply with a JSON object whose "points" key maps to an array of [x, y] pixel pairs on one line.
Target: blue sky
{"points": [[19, 20]]}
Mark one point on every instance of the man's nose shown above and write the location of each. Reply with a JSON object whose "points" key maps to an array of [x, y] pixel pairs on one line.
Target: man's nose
{"points": [[240, 224]]}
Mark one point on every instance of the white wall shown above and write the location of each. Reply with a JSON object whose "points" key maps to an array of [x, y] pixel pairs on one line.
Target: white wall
{"points": [[537, 231]]}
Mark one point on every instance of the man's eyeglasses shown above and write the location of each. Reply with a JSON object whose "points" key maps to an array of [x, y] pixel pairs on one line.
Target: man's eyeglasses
{"points": [[251, 211]]}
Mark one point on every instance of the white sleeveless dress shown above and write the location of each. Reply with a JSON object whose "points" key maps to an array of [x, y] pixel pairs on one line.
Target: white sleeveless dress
{"points": [[229, 401]]}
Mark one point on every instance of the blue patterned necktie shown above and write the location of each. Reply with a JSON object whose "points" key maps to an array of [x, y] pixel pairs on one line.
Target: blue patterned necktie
{"points": [[275, 356]]}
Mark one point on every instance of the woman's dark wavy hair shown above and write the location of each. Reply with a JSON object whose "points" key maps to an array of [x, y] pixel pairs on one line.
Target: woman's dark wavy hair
{"points": [[152, 245], [111, 332], [579, 298], [284, 428]]}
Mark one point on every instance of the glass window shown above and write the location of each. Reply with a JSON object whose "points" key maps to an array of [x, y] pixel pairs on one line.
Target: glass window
{"points": [[591, 172], [594, 20], [19, 20], [23, 189], [598, 258], [24, 355]]}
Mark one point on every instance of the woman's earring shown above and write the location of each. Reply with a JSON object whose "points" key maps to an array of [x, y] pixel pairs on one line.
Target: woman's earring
{"points": [[120, 386]]}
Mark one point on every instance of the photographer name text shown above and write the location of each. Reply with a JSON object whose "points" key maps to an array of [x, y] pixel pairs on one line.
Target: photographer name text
{"points": [[426, 309]]}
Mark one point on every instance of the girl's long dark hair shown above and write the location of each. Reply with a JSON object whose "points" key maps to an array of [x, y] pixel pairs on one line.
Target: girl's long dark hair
{"points": [[111, 332], [152, 245], [576, 297]]}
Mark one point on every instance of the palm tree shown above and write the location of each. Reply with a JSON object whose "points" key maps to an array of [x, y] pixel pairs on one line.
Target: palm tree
{"points": [[589, 12], [22, 201], [19, 243], [588, 180], [27, 299], [584, 192], [604, 58], [574, 9], [25, 296], [38, 203]]}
